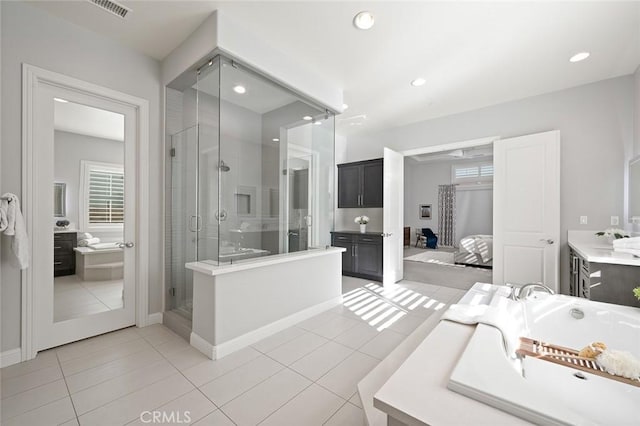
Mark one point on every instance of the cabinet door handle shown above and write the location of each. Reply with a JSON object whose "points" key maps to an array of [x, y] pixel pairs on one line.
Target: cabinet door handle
{"points": [[56, 247], [57, 263]]}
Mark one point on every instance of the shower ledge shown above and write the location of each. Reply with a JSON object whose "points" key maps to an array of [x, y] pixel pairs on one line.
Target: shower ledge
{"points": [[209, 268]]}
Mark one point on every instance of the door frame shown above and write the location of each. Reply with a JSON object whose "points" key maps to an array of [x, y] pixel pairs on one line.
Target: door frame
{"points": [[32, 77]]}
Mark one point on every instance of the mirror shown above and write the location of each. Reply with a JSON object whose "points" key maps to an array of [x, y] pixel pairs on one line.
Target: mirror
{"points": [[59, 199], [634, 190], [88, 265]]}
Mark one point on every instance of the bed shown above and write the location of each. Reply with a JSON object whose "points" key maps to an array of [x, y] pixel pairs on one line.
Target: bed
{"points": [[476, 250]]}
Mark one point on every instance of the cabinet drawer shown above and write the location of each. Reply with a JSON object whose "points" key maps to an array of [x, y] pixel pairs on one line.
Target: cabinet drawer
{"points": [[371, 239], [343, 237], [64, 236], [65, 259], [63, 247]]}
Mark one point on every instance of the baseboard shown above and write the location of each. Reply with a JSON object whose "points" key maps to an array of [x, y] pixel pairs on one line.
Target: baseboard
{"points": [[10, 357], [203, 346], [233, 345], [155, 318]]}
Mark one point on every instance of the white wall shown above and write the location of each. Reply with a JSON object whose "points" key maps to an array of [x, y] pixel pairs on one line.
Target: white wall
{"points": [[421, 187], [70, 149], [30, 35], [474, 209], [637, 114], [595, 122]]}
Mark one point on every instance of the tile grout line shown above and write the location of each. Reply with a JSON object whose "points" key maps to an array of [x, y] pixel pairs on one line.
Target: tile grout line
{"points": [[108, 362], [128, 393], [335, 412], [73, 405], [289, 400]]}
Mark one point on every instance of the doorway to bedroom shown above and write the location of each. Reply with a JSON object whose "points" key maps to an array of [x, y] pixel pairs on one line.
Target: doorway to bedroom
{"points": [[448, 214]]}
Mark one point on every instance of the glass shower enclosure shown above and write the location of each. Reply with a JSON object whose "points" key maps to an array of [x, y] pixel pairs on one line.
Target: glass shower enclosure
{"points": [[251, 167]]}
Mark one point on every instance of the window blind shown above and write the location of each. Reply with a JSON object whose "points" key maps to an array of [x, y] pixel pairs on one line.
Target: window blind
{"points": [[106, 196]]}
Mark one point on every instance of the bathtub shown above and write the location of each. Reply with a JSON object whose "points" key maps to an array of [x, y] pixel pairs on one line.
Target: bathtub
{"points": [[543, 392]]}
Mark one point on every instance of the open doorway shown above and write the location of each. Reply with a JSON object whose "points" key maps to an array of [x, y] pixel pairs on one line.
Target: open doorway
{"points": [[448, 214]]}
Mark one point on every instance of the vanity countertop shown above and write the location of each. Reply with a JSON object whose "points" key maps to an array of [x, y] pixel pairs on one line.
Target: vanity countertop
{"points": [[62, 231], [598, 250], [370, 233]]}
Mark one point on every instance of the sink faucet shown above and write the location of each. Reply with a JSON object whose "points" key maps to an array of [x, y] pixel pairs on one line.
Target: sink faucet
{"points": [[525, 291]]}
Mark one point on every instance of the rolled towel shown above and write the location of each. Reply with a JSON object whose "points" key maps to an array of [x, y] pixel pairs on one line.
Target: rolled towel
{"points": [[88, 241], [84, 236], [627, 243]]}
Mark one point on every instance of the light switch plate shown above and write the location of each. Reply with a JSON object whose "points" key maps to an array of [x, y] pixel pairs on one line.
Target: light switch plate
{"points": [[615, 220], [583, 220]]}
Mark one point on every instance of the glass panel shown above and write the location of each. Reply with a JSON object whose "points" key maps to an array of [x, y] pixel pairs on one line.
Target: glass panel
{"points": [[184, 210], [89, 164], [210, 168], [275, 168]]}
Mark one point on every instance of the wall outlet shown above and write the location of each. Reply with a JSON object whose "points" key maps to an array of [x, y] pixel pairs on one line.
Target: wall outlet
{"points": [[583, 220], [615, 220]]}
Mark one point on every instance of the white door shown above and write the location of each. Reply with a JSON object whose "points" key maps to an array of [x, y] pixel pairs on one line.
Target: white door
{"points": [[94, 155], [526, 209], [393, 217]]}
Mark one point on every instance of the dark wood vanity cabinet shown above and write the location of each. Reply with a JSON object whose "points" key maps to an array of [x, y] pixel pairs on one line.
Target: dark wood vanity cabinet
{"points": [[363, 255], [64, 258], [360, 184], [603, 282]]}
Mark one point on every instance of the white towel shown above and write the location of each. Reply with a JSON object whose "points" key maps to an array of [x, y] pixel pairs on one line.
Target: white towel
{"points": [[84, 236], [87, 242], [635, 252], [489, 315], [103, 246], [627, 243], [12, 224]]}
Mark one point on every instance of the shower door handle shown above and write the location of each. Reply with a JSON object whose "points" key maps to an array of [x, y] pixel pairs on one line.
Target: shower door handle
{"points": [[198, 223]]}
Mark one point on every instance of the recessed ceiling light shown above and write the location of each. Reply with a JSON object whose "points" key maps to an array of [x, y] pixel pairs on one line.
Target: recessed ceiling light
{"points": [[363, 20], [64, 101], [345, 107], [276, 139], [418, 82], [579, 57], [317, 123], [307, 117], [239, 89]]}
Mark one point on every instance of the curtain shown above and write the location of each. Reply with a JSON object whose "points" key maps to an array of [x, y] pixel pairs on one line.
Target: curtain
{"points": [[447, 215]]}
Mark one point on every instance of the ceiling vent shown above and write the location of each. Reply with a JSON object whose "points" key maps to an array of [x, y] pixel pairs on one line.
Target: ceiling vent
{"points": [[111, 7]]}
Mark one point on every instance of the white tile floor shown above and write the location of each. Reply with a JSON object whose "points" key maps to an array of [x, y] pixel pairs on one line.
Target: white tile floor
{"points": [[304, 375], [74, 298]]}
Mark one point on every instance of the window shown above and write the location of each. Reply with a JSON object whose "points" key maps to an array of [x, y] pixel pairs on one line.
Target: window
{"points": [[102, 200], [472, 173]]}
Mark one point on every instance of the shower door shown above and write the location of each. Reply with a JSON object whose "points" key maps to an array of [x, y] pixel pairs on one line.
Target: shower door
{"points": [[184, 218]]}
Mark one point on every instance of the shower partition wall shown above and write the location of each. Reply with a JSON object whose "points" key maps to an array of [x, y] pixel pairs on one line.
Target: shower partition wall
{"points": [[252, 174]]}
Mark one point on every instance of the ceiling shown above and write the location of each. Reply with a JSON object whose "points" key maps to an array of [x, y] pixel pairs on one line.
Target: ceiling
{"points": [[260, 96], [85, 120], [477, 153], [471, 54]]}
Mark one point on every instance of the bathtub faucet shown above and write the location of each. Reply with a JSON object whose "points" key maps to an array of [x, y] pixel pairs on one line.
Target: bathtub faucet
{"points": [[525, 291]]}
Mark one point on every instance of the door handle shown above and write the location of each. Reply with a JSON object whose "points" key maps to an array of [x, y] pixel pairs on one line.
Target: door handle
{"points": [[547, 240], [386, 234], [128, 244]]}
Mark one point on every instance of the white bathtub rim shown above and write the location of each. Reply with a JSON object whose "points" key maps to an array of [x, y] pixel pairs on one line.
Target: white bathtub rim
{"points": [[504, 393]]}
